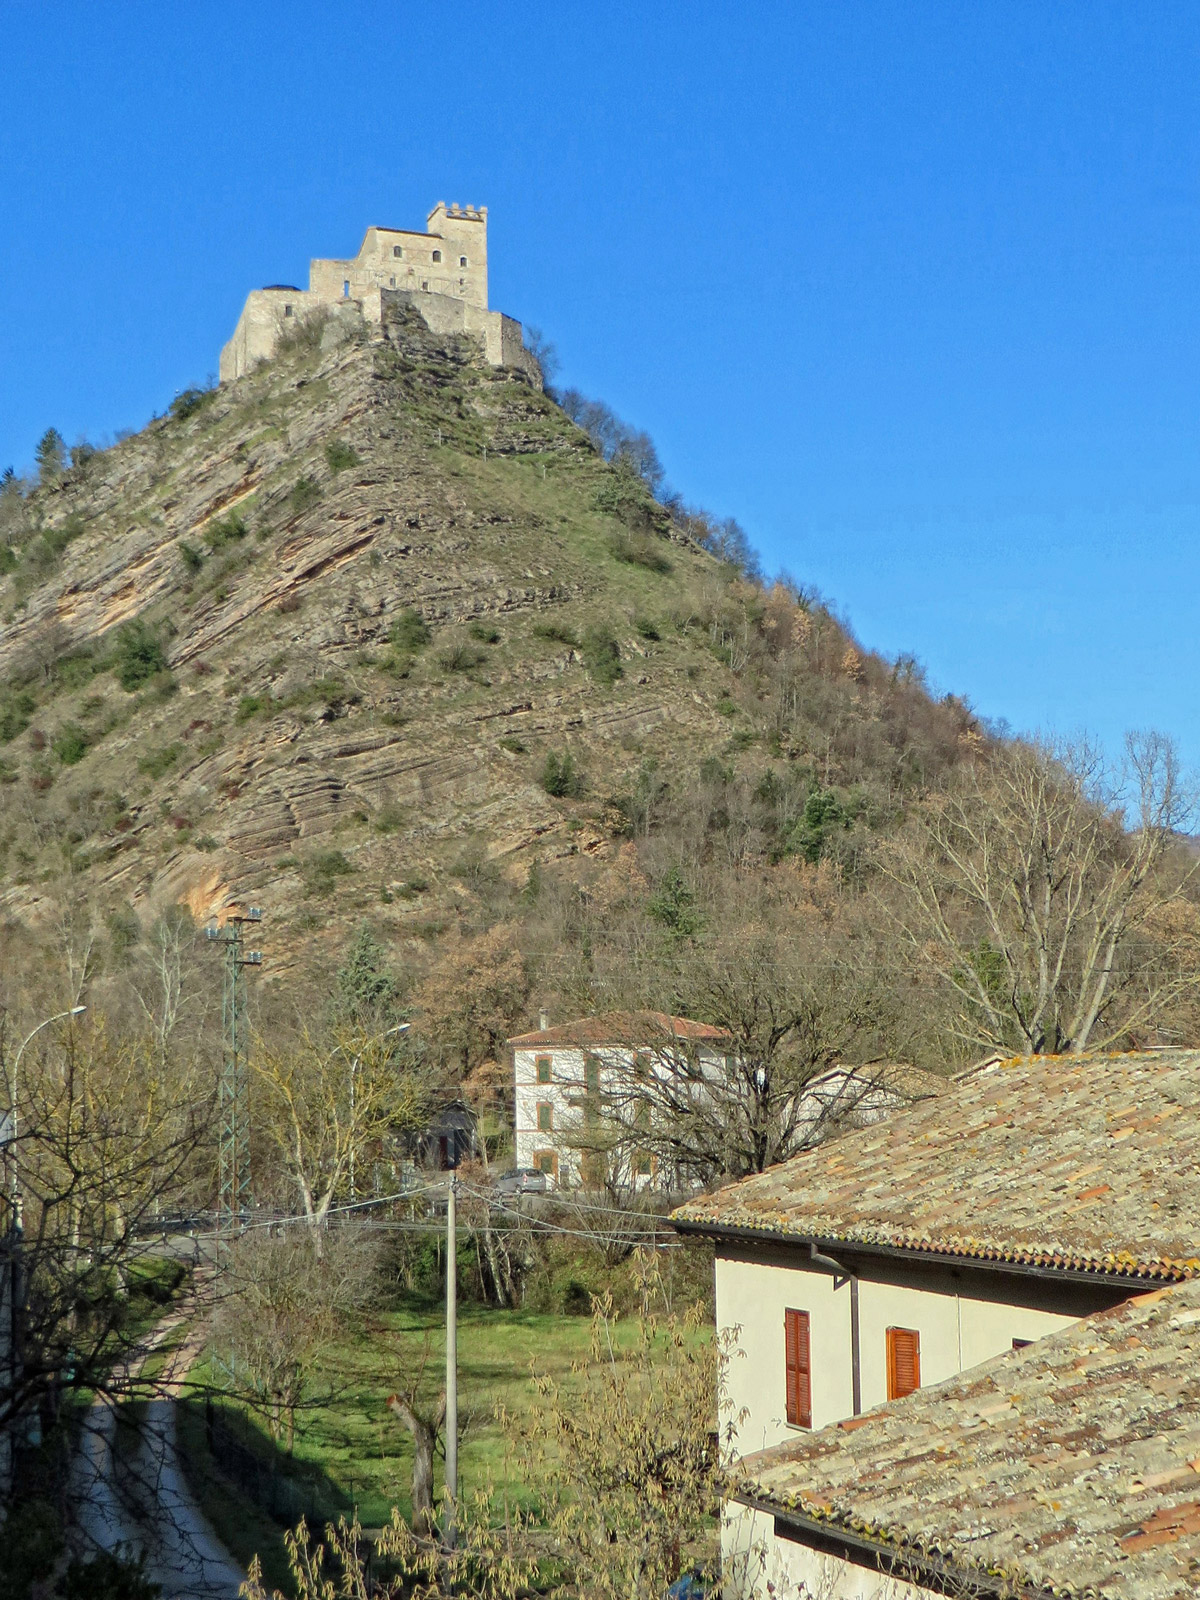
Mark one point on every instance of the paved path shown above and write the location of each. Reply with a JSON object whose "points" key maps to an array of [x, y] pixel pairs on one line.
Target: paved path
{"points": [[144, 1503]]}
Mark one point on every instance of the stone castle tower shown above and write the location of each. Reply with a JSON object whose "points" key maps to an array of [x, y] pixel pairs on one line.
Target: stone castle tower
{"points": [[441, 272]]}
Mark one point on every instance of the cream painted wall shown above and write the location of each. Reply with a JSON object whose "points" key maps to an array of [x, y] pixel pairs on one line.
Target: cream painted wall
{"points": [[957, 1330]]}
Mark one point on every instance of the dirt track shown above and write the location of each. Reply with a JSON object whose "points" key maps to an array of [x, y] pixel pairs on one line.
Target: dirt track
{"points": [[143, 1502]]}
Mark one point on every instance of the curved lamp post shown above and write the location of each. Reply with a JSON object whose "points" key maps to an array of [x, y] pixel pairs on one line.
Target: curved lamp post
{"points": [[74, 1011]]}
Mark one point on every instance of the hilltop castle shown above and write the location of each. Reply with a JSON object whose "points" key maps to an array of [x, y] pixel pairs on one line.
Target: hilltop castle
{"points": [[442, 273]]}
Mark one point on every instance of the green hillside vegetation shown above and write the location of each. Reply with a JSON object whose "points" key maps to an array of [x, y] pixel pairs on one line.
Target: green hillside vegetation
{"points": [[381, 635], [379, 616]]}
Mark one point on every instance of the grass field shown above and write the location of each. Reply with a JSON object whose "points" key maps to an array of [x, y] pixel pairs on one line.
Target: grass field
{"points": [[352, 1452]]}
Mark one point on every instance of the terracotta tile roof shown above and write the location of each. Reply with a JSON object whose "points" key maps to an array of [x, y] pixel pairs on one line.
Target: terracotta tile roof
{"points": [[1090, 1163], [1073, 1466], [621, 1027]]}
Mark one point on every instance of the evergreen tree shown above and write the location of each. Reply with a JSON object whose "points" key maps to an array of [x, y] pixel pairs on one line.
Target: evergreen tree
{"points": [[366, 991], [51, 456]]}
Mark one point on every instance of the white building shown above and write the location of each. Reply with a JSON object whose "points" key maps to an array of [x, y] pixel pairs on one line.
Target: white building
{"points": [[569, 1078], [1041, 1191]]}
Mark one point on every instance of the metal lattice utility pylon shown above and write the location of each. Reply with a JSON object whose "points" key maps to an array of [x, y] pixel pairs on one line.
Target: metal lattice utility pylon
{"points": [[233, 1149]]}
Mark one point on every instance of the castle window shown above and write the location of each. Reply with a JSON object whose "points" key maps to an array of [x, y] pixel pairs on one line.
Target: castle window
{"points": [[393, 281], [462, 261], [397, 251], [346, 289], [424, 283], [437, 255], [287, 311]]}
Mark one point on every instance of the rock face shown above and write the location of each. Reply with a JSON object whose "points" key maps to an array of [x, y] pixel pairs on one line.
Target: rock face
{"points": [[365, 591]]}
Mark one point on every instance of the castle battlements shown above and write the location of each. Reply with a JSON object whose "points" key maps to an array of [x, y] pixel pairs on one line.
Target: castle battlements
{"points": [[442, 272]]}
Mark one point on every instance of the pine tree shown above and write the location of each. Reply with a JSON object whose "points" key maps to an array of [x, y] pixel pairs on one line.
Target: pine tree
{"points": [[51, 456], [366, 990]]}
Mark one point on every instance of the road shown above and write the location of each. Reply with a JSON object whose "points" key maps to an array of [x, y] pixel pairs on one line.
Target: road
{"points": [[142, 1500]]}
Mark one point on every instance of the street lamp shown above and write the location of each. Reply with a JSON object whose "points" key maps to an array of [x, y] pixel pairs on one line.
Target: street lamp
{"points": [[11, 1117]]}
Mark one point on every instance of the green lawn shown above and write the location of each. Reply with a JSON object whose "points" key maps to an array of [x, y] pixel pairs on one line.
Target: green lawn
{"points": [[352, 1452]]}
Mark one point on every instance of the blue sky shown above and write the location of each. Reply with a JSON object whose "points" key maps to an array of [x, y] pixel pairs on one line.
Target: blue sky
{"points": [[912, 289]]}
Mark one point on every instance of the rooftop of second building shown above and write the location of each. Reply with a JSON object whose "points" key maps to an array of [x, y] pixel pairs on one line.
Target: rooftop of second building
{"points": [[1080, 1162], [1071, 1467], [622, 1028]]}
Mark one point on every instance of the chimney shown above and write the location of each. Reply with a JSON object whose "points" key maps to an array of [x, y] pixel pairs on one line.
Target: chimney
{"points": [[543, 1021]]}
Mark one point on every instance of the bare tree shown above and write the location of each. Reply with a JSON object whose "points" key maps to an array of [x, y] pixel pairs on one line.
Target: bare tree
{"points": [[1035, 888], [329, 1100], [98, 1138], [279, 1308], [424, 1423]]}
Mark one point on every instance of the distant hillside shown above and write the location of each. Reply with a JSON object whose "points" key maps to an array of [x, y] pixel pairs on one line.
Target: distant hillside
{"points": [[370, 632]]}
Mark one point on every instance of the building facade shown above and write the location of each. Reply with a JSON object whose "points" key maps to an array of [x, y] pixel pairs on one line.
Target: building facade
{"points": [[573, 1079], [442, 272], [1041, 1192]]}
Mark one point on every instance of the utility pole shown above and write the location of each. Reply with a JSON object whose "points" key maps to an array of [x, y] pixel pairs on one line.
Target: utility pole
{"points": [[233, 1149], [451, 1348]]}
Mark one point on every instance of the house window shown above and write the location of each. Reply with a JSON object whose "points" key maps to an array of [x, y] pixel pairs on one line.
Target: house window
{"points": [[462, 261], [798, 1367], [546, 1161], [545, 1116], [397, 252], [543, 1069], [437, 255], [591, 1075], [346, 289], [643, 1164], [903, 1362], [287, 311]]}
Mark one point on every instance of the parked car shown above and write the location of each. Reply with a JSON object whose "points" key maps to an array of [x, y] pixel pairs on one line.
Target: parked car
{"points": [[521, 1180]]}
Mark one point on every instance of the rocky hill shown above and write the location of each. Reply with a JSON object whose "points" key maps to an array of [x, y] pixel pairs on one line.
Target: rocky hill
{"points": [[374, 629]]}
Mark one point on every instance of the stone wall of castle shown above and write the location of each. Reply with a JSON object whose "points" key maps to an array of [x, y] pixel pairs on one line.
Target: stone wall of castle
{"points": [[442, 273]]}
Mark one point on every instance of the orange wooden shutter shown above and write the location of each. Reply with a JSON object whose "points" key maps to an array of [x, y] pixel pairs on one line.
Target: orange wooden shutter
{"points": [[799, 1368], [903, 1362]]}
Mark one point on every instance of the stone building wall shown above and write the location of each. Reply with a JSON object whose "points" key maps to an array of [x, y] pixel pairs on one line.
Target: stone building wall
{"points": [[442, 273]]}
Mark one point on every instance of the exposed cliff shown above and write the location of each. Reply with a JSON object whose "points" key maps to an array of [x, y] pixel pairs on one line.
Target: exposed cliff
{"points": [[309, 640]]}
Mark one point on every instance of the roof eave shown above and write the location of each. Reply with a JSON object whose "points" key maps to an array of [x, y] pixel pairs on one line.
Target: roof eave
{"points": [[928, 1569], [1134, 1281]]}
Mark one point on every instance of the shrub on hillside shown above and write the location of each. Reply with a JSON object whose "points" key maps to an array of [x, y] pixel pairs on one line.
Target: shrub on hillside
{"points": [[561, 778], [323, 870], [409, 631], [602, 655], [189, 401], [640, 550], [16, 713], [462, 657], [340, 455], [305, 494], [70, 744], [138, 655], [558, 631], [223, 531]]}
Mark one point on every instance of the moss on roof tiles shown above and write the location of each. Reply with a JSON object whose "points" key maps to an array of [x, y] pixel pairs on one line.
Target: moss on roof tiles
{"points": [[1086, 1163], [1072, 1466]]}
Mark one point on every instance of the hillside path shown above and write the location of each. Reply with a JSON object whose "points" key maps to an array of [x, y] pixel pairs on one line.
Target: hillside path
{"points": [[144, 1503]]}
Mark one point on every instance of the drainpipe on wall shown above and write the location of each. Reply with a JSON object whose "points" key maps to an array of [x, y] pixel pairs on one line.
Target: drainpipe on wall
{"points": [[845, 1276]]}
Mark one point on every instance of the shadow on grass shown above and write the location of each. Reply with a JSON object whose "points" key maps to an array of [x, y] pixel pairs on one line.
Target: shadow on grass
{"points": [[250, 1489]]}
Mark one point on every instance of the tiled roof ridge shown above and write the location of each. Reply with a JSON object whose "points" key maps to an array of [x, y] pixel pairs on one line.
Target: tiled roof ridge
{"points": [[826, 1230], [591, 1028]]}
